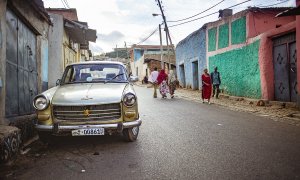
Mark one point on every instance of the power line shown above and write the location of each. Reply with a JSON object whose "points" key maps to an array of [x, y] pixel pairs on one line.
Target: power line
{"points": [[198, 13], [209, 14], [145, 39], [264, 6], [63, 3], [66, 2]]}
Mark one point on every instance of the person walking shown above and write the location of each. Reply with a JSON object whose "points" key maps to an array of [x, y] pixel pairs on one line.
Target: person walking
{"points": [[216, 82], [206, 86], [162, 80], [172, 83], [153, 80]]}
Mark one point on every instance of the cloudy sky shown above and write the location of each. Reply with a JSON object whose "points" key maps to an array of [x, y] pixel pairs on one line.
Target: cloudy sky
{"points": [[131, 21]]}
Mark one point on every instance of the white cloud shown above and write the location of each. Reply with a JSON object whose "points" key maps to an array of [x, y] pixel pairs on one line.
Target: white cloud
{"points": [[117, 21]]}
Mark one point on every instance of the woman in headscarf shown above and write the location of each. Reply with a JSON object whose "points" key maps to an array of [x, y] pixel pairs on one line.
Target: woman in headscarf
{"points": [[172, 83], [162, 82], [206, 86]]}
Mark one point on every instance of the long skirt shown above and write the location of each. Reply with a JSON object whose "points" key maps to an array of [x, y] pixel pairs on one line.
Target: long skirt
{"points": [[206, 92], [172, 87], [164, 89]]}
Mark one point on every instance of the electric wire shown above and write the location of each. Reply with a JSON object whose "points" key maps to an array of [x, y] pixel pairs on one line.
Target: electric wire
{"points": [[208, 14], [264, 6], [145, 39], [63, 3], [66, 2], [198, 13]]}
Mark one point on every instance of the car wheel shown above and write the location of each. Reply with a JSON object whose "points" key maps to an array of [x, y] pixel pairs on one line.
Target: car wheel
{"points": [[45, 137], [131, 134]]}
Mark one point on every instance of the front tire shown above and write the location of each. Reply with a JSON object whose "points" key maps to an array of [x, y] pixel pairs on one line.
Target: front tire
{"points": [[131, 134]]}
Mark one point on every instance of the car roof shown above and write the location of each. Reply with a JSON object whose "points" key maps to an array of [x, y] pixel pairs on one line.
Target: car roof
{"points": [[97, 62]]}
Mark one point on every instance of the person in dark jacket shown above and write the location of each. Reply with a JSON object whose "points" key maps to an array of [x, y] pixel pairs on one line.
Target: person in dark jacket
{"points": [[216, 82]]}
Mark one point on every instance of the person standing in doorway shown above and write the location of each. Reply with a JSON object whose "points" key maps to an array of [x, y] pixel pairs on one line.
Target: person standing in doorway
{"points": [[172, 83], [153, 80], [216, 82], [206, 86]]}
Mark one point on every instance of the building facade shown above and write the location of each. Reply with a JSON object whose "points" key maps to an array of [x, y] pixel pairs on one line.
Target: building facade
{"points": [[241, 46], [24, 29], [145, 57], [191, 59], [68, 42]]}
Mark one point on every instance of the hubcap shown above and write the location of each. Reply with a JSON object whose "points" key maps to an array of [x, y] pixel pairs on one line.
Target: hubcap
{"points": [[135, 130]]}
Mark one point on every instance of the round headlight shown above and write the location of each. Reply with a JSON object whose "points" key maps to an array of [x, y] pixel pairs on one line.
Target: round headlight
{"points": [[40, 102], [129, 99]]}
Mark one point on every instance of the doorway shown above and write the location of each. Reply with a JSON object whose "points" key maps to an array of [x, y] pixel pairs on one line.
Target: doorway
{"points": [[285, 68], [21, 67], [195, 75], [182, 75]]}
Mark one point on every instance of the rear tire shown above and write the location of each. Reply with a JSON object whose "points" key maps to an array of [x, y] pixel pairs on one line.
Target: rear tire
{"points": [[131, 134]]}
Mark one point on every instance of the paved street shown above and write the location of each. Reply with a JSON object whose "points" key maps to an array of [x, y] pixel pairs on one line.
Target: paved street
{"points": [[178, 139]]}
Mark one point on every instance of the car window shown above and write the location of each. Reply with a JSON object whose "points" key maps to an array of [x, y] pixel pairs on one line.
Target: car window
{"points": [[85, 73]]}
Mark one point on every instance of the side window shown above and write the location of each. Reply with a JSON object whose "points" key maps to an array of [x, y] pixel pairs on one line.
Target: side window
{"points": [[69, 76]]}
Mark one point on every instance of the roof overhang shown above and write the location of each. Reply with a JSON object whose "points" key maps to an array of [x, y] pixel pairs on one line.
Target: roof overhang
{"points": [[290, 12], [147, 60], [79, 32]]}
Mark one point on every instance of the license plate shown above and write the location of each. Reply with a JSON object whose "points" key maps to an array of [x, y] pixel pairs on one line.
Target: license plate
{"points": [[88, 132]]}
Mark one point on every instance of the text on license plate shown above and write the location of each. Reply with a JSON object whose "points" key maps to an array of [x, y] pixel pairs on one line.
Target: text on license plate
{"points": [[88, 132]]}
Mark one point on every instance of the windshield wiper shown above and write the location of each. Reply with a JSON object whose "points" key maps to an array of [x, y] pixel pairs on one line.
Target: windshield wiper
{"points": [[113, 78]]}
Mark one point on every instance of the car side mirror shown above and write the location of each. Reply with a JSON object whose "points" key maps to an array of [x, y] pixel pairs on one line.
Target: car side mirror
{"points": [[133, 78], [58, 82]]}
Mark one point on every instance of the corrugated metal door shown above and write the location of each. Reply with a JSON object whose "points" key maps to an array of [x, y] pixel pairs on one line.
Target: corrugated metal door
{"points": [[293, 71], [21, 72], [12, 96], [285, 68]]}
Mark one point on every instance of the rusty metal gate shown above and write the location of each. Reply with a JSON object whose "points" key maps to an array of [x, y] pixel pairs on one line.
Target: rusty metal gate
{"points": [[21, 67], [285, 68]]}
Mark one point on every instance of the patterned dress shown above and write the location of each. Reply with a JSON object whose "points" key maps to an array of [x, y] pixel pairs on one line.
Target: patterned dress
{"points": [[164, 89]]}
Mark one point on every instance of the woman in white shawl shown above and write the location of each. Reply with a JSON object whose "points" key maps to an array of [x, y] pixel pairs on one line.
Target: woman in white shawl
{"points": [[172, 83]]}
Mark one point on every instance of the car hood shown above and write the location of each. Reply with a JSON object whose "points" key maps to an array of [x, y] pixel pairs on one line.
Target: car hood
{"points": [[89, 93]]}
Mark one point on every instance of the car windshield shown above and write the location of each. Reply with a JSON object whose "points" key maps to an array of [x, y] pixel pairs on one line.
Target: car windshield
{"points": [[89, 73]]}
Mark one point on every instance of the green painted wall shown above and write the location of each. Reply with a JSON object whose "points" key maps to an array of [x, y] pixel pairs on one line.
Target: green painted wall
{"points": [[223, 36], [239, 70], [212, 39], [238, 31]]}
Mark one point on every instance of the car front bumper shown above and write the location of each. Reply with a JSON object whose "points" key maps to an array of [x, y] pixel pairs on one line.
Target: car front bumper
{"points": [[62, 128]]}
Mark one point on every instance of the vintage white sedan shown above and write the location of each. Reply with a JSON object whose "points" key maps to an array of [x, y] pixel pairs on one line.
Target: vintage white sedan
{"points": [[92, 98]]}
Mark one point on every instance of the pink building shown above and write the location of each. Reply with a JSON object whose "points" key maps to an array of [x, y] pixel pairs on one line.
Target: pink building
{"points": [[255, 51]]}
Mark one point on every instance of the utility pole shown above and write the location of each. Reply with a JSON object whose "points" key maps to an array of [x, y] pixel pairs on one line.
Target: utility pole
{"points": [[127, 57], [161, 48], [166, 25], [169, 68], [117, 51]]}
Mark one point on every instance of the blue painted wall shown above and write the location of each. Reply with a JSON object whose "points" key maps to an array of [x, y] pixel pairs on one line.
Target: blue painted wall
{"points": [[45, 61], [138, 53], [189, 50]]}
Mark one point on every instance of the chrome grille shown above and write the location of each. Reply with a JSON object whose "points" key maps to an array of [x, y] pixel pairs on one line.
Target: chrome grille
{"points": [[103, 112]]}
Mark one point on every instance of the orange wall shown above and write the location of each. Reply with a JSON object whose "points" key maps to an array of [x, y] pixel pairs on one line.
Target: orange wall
{"points": [[259, 22]]}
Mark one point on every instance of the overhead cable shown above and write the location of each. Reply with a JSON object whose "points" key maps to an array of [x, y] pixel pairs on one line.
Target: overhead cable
{"points": [[208, 14], [265, 6], [145, 39], [62, 1], [198, 13], [66, 2]]}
